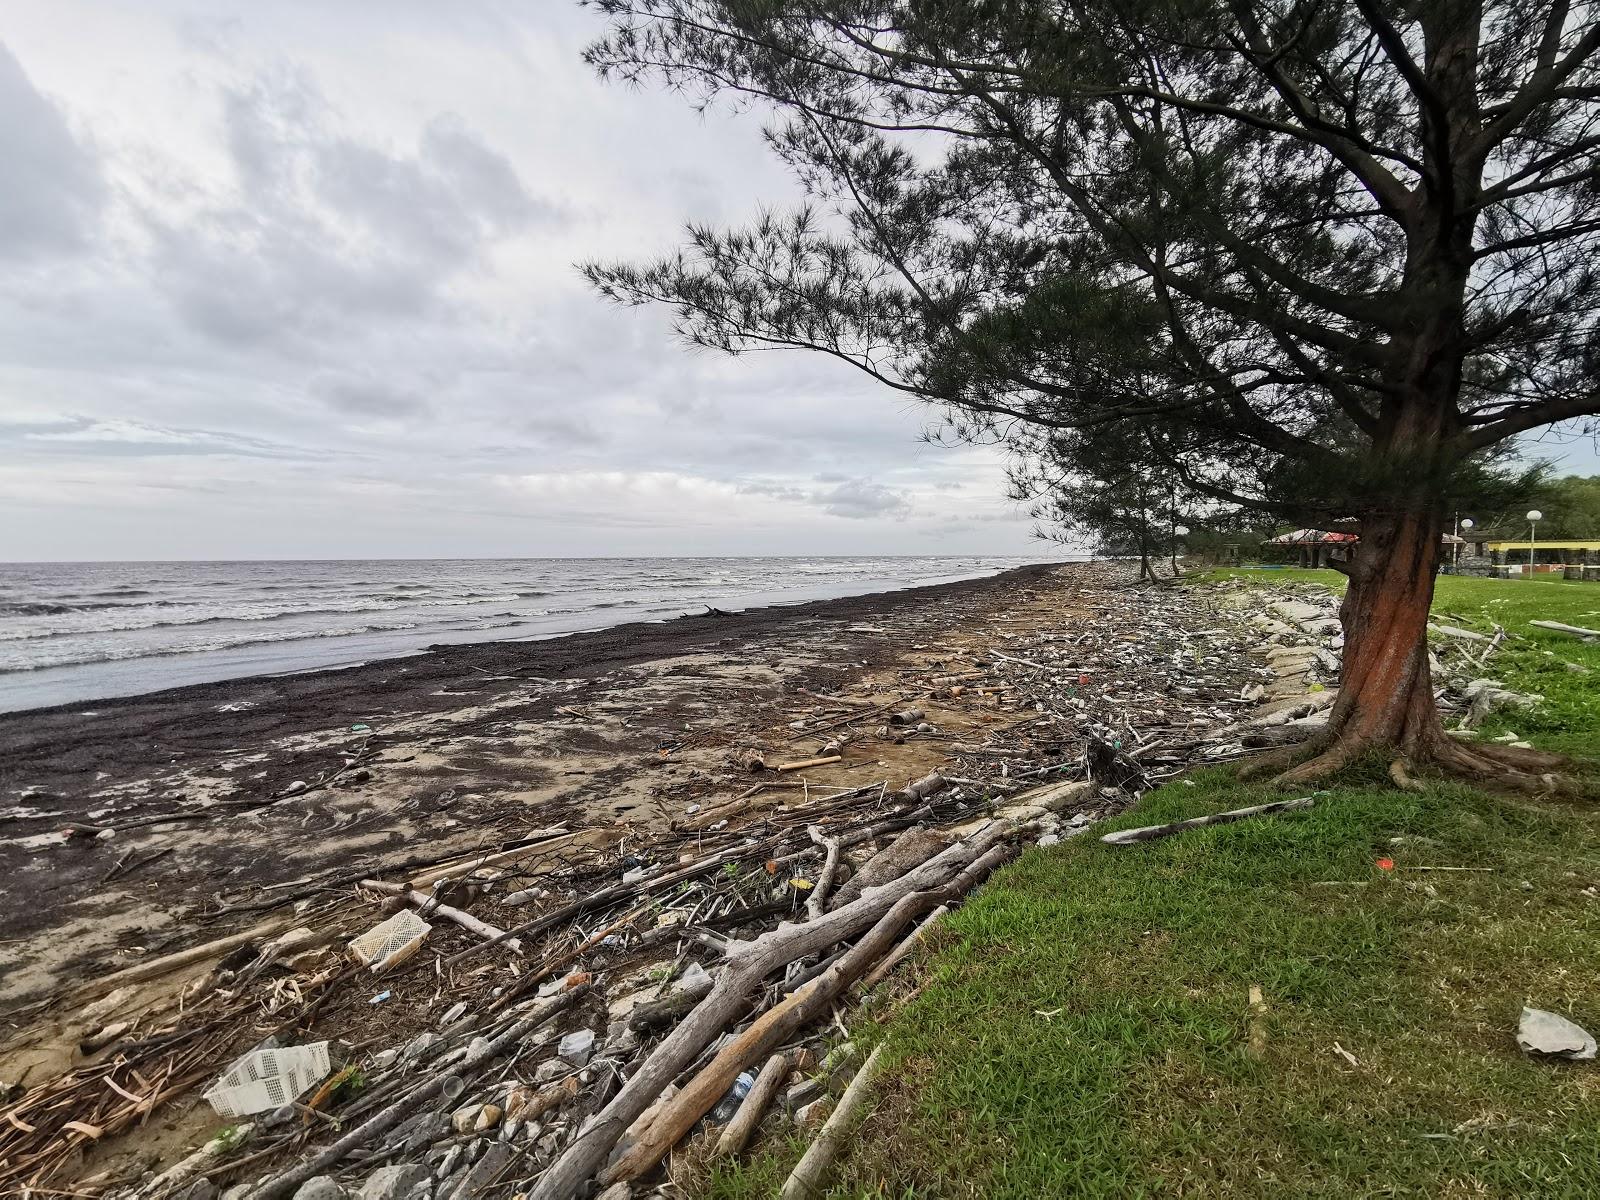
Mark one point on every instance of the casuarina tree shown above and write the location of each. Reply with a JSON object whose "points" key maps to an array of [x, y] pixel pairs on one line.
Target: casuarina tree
{"points": [[1314, 257]]}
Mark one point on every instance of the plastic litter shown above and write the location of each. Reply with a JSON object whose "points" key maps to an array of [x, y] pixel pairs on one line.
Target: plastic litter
{"points": [[1541, 1032], [391, 942], [267, 1079], [729, 1104]]}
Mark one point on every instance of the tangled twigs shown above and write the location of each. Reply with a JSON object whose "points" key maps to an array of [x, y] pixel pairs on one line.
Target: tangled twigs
{"points": [[748, 964], [385, 1120]]}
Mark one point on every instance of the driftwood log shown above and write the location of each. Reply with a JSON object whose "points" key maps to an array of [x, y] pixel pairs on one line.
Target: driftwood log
{"points": [[1577, 631], [891, 960], [748, 965]]}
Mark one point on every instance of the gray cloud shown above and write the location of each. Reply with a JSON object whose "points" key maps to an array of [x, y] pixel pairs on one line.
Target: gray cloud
{"points": [[53, 188], [327, 229], [305, 260], [861, 499]]}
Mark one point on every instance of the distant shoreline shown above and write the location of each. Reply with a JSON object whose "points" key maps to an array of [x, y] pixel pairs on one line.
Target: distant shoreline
{"points": [[60, 747]]}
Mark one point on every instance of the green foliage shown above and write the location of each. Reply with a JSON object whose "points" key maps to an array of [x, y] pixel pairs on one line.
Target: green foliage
{"points": [[1571, 507]]}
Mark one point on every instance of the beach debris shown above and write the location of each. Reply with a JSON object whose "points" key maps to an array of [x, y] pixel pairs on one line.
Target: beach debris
{"points": [[181, 1172], [390, 942], [703, 894], [753, 1103], [1550, 1034], [267, 1078], [803, 763], [577, 1046]]}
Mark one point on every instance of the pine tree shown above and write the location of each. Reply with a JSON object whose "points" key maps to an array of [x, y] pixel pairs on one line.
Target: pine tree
{"points": [[1315, 257]]}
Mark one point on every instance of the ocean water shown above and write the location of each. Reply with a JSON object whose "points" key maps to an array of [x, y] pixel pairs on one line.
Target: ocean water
{"points": [[72, 632]]}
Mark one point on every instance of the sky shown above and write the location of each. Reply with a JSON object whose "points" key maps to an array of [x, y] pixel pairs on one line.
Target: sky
{"points": [[296, 279]]}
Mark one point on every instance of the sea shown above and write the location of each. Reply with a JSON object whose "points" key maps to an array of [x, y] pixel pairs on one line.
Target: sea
{"points": [[74, 632]]}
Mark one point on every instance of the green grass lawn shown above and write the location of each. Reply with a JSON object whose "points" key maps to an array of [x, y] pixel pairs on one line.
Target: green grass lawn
{"points": [[1084, 1027]]}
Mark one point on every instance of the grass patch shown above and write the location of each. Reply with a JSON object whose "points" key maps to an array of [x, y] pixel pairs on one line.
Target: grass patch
{"points": [[1086, 1028], [1086, 1031]]}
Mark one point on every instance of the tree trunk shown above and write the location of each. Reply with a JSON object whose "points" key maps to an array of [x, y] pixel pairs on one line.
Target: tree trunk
{"points": [[1385, 703]]}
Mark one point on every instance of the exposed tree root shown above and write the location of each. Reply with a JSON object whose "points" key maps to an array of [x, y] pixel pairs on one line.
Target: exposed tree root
{"points": [[1504, 768], [1401, 774], [1498, 768], [1517, 756], [1271, 765]]}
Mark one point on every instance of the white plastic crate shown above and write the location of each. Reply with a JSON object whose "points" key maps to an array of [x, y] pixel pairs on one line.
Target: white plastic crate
{"points": [[390, 942], [263, 1080]]}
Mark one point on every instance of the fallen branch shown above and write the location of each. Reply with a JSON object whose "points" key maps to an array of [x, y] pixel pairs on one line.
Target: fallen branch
{"points": [[892, 959], [803, 763], [777, 1024], [546, 839], [1148, 833], [183, 958], [1577, 631], [428, 906], [809, 1173], [816, 903]]}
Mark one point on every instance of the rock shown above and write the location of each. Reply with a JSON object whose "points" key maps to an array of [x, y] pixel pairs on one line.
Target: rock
{"points": [[395, 1182], [1049, 839], [550, 1070], [238, 1191], [321, 1187], [448, 1163], [488, 1117], [464, 1120], [802, 1093], [1541, 1032], [484, 1172], [200, 1189], [810, 1115], [419, 1132], [384, 1059], [577, 1047]]}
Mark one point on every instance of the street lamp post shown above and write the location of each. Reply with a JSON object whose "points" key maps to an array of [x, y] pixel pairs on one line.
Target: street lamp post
{"points": [[1461, 523], [1178, 531], [1534, 517]]}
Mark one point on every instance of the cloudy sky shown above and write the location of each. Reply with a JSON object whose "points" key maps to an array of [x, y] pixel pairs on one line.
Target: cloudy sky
{"points": [[293, 278]]}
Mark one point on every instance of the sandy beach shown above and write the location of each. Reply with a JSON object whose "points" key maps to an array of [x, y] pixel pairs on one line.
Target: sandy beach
{"points": [[268, 800]]}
